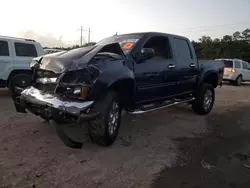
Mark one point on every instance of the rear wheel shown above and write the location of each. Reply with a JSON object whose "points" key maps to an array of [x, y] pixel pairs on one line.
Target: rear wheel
{"points": [[104, 129], [204, 99], [21, 80], [238, 80]]}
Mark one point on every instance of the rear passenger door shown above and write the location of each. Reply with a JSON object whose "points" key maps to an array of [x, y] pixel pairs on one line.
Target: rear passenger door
{"points": [[6, 59], [24, 53], [188, 70]]}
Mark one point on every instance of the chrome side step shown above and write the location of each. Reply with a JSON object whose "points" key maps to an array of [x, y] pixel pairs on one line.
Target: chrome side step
{"points": [[163, 105]]}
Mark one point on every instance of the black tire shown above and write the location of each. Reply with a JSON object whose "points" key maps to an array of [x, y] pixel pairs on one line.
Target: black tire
{"points": [[231, 82], [206, 90], [21, 80], [238, 80], [100, 129]]}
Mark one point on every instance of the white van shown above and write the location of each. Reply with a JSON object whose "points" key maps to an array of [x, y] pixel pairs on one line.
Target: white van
{"points": [[15, 57], [236, 71]]}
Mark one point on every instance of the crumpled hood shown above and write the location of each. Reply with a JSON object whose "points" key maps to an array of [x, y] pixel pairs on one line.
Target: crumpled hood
{"points": [[72, 60]]}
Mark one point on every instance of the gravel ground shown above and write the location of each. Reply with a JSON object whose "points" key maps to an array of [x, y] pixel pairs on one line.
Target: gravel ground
{"points": [[168, 148]]}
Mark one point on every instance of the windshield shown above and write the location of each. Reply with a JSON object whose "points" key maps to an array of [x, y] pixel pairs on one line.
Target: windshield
{"points": [[228, 64], [127, 42]]}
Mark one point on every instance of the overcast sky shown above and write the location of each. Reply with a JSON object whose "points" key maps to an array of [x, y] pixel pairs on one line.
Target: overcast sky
{"points": [[56, 22]]}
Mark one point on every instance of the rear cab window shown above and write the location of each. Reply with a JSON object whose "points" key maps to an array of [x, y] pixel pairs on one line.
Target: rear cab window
{"points": [[25, 49], [4, 48]]}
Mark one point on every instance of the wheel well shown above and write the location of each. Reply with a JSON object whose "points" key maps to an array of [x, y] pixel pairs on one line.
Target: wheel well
{"points": [[211, 79], [239, 76], [126, 91], [15, 72]]}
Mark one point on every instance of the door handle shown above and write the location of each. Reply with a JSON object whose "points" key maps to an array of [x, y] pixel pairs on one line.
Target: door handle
{"points": [[171, 66], [192, 65]]}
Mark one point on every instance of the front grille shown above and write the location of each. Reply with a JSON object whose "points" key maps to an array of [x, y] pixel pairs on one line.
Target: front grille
{"points": [[46, 87]]}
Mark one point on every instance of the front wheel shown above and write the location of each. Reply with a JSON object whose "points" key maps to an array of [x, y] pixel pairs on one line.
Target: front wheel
{"points": [[104, 129], [204, 99]]}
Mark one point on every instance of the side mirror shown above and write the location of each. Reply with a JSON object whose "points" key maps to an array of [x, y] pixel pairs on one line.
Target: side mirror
{"points": [[146, 53]]}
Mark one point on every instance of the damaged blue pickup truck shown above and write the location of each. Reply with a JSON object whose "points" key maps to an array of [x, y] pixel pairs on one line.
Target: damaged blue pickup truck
{"points": [[137, 72]]}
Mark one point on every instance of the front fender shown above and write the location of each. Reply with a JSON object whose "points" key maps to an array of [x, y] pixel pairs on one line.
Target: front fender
{"points": [[110, 78]]}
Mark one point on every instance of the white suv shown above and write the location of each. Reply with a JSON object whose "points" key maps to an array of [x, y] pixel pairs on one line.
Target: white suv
{"points": [[236, 71], [15, 57]]}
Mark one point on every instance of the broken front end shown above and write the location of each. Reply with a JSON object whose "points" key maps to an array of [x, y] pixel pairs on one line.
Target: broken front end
{"points": [[62, 83], [57, 97]]}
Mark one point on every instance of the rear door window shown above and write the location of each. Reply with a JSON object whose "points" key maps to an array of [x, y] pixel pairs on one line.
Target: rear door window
{"points": [[183, 52], [25, 50], [4, 48], [228, 64]]}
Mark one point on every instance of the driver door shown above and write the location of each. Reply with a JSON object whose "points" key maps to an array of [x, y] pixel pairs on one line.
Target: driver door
{"points": [[155, 77]]}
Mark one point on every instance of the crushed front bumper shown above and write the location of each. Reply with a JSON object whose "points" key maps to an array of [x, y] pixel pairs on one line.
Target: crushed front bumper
{"points": [[51, 106]]}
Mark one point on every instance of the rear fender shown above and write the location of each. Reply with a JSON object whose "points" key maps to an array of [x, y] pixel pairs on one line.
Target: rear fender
{"points": [[210, 77]]}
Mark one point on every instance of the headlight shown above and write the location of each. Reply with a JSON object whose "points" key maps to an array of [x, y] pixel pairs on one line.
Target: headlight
{"points": [[80, 92], [46, 80]]}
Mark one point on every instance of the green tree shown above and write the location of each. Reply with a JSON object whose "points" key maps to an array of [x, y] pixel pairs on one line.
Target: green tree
{"points": [[236, 45], [227, 38], [246, 34], [236, 35]]}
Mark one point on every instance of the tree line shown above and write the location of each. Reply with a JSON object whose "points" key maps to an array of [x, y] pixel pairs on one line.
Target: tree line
{"points": [[236, 45]]}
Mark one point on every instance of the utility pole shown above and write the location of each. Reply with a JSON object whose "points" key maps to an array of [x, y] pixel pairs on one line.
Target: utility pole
{"points": [[89, 36], [89, 31], [81, 37]]}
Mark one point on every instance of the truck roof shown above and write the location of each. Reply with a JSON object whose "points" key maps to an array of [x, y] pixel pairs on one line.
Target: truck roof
{"points": [[153, 33], [16, 38]]}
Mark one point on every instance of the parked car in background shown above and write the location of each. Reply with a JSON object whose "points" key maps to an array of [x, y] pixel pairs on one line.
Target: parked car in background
{"points": [[138, 72], [15, 57], [51, 51], [236, 71]]}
